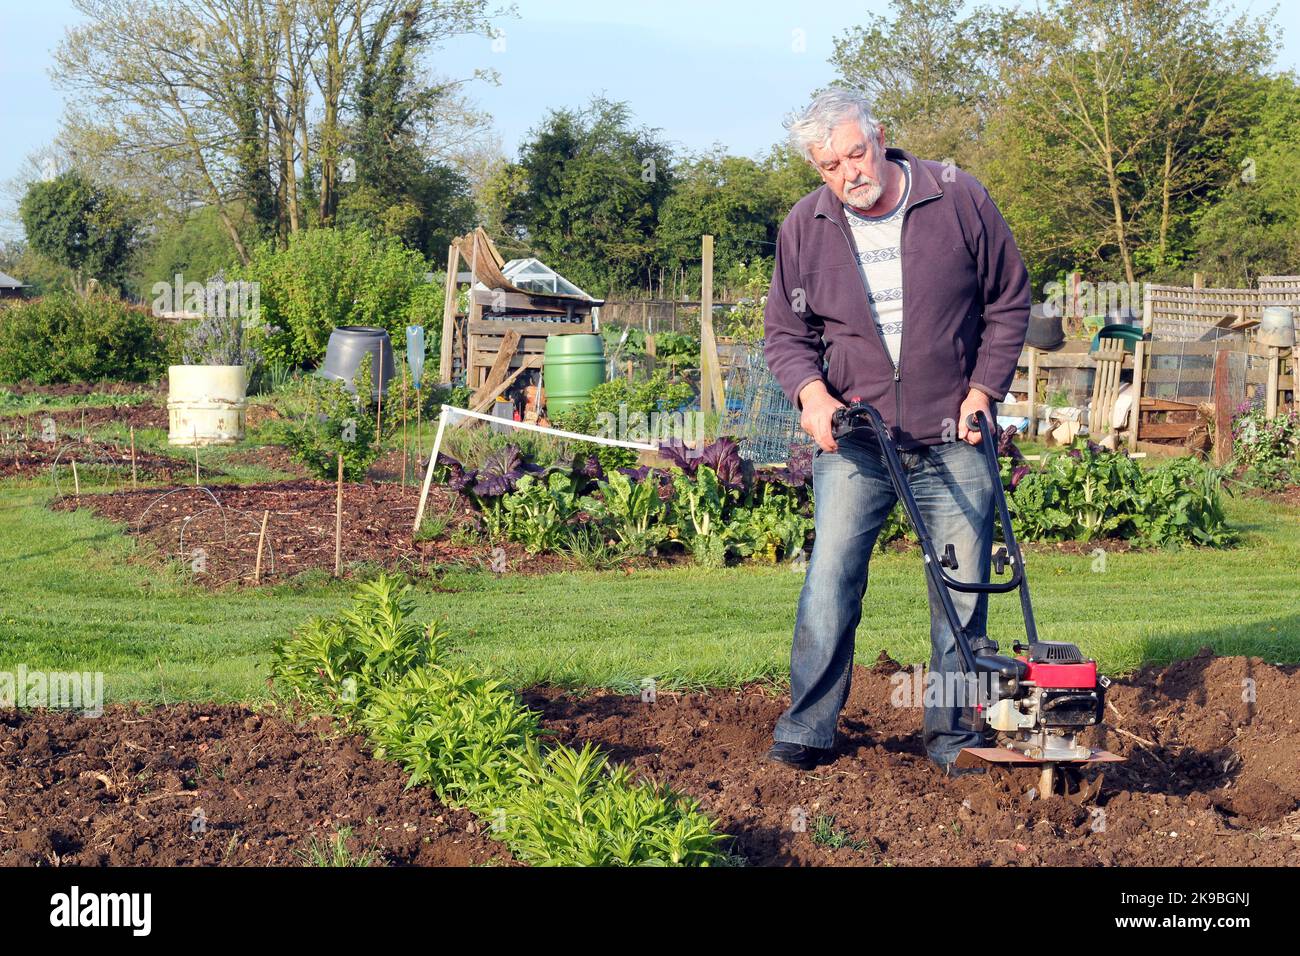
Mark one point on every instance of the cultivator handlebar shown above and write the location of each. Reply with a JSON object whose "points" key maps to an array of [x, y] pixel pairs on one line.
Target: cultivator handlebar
{"points": [[860, 415], [1038, 701]]}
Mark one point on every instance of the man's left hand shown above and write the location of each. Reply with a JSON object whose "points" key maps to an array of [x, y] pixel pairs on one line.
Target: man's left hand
{"points": [[976, 401]]}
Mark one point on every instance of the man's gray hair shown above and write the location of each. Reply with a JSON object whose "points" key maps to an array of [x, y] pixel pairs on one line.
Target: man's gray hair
{"points": [[813, 125]]}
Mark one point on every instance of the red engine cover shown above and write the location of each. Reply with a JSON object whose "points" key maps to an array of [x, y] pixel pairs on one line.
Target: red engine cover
{"points": [[1080, 676]]}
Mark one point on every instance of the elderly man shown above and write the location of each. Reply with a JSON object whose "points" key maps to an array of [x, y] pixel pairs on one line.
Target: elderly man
{"points": [[897, 282]]}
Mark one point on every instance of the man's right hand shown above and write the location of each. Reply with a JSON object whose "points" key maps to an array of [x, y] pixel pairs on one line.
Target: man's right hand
{"points": [[818, 406]]}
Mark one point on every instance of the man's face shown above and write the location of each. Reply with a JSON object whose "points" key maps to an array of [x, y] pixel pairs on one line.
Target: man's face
{"points": [[853, 164]]}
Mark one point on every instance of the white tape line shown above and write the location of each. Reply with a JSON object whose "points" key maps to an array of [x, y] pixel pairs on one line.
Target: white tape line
{"points": [[428, 473], [449, 410], [527, 426]]}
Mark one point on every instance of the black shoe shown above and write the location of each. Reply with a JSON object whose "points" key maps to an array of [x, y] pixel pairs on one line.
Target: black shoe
{"points": [[952, 770], [795, 755]]}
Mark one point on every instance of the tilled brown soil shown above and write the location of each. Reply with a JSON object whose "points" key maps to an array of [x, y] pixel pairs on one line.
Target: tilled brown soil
{"points": [[1210, 779], [35, 459], [211, 785], [84, 419], [225, 520]]}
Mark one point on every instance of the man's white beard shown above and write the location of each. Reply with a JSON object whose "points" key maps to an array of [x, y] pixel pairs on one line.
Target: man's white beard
{"points": [[864, 199]]}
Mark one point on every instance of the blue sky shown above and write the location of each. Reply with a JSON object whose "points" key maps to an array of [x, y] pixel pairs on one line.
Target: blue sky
{"points": [[703, 71]]}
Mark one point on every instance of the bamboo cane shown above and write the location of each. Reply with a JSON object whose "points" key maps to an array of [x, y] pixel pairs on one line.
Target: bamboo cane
{"points": [[403, 424], [338, 521], [379, 406], [261, 536]]}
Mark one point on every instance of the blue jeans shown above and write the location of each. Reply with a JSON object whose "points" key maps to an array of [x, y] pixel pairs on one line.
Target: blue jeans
{"points": [[853, 496]]}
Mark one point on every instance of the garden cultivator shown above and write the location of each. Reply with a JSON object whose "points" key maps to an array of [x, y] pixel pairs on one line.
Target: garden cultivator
{"points": [[1035, 705]]}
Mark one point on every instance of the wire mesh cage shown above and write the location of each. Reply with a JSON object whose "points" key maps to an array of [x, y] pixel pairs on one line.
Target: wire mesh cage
{"points": [[764, 422]]}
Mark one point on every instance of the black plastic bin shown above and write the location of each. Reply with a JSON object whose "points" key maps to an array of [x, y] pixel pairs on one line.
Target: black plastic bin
{"points": [[348, 346]]}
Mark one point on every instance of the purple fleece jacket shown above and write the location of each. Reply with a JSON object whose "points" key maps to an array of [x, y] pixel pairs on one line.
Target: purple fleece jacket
{"points": [[965, 305]]}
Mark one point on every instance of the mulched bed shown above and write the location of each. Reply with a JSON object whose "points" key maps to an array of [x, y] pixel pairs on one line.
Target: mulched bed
{"points": [[35, 459], [211, 785], [273, 457], [225, 520], [64, 390], [1287, 496], [90, 417], [1214, 783]]}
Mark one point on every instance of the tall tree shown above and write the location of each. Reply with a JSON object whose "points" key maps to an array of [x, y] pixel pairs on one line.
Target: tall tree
{"points": [[594, 185], [738, 200], [396, 188], [247, 99], [928, 72], [83, 226], [1252, 227], [1114, 126]]}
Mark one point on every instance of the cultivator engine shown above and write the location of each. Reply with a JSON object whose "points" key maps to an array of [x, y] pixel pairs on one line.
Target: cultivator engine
{"points": [[1034, 706]]}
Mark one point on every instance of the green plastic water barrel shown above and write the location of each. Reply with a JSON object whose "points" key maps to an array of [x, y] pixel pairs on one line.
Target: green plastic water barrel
{"points": [[573, 366]]}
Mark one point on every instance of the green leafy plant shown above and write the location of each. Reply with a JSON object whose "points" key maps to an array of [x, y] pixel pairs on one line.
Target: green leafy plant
{"points": [[1267, 450], [572, 808], [774, 528], [1086, 493], [469, 738], [700, 503], [537, 511], [334, 421], [1181, 501], [677, 349], [634, 510], [633, 344], [453, 730], [333, 663]]}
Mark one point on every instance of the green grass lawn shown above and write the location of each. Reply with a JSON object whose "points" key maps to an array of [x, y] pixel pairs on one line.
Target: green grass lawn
{"points": [[76, 594]]}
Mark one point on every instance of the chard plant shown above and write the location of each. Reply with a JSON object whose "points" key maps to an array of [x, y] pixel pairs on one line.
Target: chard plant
{"points": [[635, 510], [538, 511], [700, 503]]}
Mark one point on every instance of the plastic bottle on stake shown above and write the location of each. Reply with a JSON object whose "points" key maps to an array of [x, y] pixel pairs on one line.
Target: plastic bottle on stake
{"points": [[415, 353], [415, 361]]}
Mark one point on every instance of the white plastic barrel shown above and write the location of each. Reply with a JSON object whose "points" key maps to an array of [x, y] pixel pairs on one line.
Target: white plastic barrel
{"points": [[206, 404]]}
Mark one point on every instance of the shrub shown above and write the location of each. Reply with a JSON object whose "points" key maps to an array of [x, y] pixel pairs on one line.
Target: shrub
{"points": [[326, 278], [1267, 449], [334, 421], [67, 338]]}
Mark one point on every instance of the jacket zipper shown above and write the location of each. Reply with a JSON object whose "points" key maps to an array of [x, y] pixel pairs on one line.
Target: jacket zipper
{"points": [[870, 318]]}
